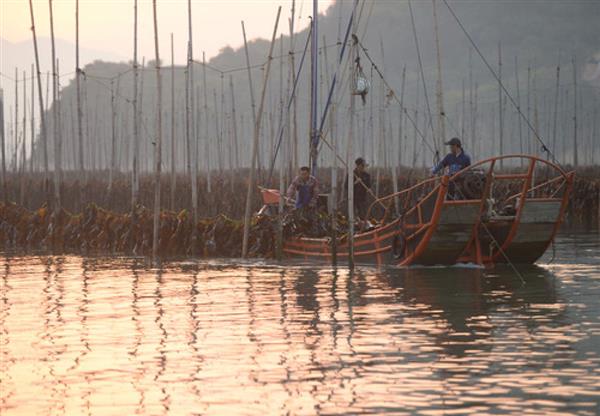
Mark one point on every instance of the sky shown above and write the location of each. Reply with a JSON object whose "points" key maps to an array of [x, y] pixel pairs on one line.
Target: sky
{"points": [[107, 25]]}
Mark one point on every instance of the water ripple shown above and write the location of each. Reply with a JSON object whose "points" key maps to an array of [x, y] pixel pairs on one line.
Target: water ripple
{"points": [[115, 336]]}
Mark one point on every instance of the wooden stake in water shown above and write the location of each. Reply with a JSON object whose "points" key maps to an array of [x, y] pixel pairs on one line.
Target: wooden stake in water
{"points": [[441, 133], [54, 116], [556, 100], [190, 128], [400, 127], [519, 122], [500, 113], [250, 84], [32, 121], [78, 84], [23, 142], [575, 151], [3, 143], [173, 176], [136, 118], [16, 125], [206, 117], [158, 143], [255, 142], [350, 173]]}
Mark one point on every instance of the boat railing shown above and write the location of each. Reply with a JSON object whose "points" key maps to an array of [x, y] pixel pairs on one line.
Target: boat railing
{"points": [[406, 200], [532, 177]]}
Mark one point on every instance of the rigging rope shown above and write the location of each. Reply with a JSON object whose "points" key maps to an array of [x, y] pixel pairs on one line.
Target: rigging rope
{"points": [[414, 28], [512, 100]]}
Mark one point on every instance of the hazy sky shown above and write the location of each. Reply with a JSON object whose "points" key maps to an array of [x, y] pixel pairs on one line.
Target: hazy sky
{"points": [[107, 25]]}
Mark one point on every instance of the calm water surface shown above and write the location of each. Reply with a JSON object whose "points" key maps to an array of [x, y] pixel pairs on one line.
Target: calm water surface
{"points": [[114, 336]]}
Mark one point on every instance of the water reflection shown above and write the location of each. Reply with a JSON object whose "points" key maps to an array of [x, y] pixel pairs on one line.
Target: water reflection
{"points": [[100, 335]]}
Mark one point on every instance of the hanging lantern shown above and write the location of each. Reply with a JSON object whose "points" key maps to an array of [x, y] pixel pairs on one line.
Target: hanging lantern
{"points": [[361, 85]]}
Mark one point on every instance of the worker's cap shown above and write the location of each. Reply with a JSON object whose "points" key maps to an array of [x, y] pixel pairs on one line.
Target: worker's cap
{"points": [[360, 161], [454, 141]]}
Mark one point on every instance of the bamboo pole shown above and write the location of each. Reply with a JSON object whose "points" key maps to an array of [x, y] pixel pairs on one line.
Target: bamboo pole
{"points": [[136, 120], [78, 85], [158, 144], [251, 87], [463, 113], [500, 112], [255, 142], [113, 138], [234, 123], [234, 132], [556, 100], [294, 120], [441, 133], [206, 117], [22, 170], [400, 128], [575, 150], [349, 165], [519, 120], [59, 139], [54, 115], [218, 134], [222, 119], [173, 176], [43, 131], [16, 128], [190, 117], [416, 128], [528, 107], [3, 144], [32, 121]]}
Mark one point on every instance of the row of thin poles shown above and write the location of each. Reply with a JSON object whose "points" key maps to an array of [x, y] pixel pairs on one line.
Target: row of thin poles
{"points": [[564, 114], [384, 139]]}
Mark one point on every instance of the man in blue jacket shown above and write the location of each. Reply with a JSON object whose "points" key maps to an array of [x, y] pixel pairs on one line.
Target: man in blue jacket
{"points": [[455, 161]]}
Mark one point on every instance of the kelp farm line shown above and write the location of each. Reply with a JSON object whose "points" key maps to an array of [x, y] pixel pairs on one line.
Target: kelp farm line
{"points": [[92, 220]]}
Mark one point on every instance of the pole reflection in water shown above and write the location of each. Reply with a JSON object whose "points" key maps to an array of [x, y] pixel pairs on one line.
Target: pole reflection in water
{"points": [[113, 336]]}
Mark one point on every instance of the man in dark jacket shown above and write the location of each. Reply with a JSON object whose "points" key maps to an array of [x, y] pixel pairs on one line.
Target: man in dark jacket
{"points": [[362, 182], [455, 161]]}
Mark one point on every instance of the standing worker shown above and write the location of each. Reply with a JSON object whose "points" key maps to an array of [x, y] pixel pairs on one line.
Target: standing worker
{"points": [[304, 189], [455, 161], [362, 183]]}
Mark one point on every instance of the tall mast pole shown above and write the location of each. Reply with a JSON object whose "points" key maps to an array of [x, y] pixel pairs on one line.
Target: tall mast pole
{"points": [[500, 109], [350, 154], [136, 139], [23, 142], [54, 115], [250, 190], [441, 133], [314, 72], [2, 143], [32, 120], [173, 177], [158, 145], [206, 135], [575, 155], [191, 137], [78, 81]]}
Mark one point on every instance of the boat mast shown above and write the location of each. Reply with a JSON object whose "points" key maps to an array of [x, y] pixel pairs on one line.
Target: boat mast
{"points": [[314, 49]]}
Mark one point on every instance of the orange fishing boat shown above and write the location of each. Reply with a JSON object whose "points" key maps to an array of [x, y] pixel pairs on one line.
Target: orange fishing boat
{"points": [[522, 210], [476, 216]]}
